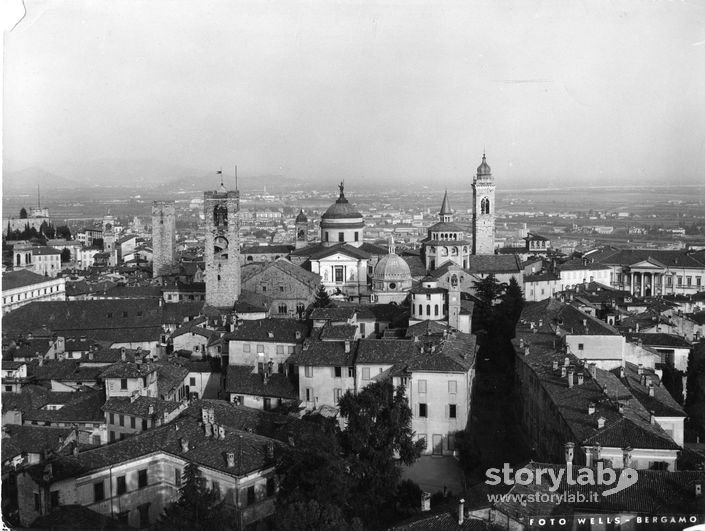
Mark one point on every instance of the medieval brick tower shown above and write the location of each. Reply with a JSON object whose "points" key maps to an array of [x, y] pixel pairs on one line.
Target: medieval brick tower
{"points": [[301, 230], [222, 211], [483, 210], [163, 237]]}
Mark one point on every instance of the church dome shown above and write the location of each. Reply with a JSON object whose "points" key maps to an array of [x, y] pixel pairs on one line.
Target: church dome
{"points": [[392, 267], [301, 218], [484, 168], [341, 209]]}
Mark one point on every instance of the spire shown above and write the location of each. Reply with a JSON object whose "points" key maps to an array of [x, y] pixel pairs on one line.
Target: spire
{"points": [[392, 247], [222, 185], [445, 207]]}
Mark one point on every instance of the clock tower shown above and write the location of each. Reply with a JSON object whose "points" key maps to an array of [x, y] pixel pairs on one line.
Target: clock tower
{"points": [[222, 253], [483, 209]]}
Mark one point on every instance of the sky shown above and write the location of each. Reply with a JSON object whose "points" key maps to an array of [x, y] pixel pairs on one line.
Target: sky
{"points": [[557, 92]]}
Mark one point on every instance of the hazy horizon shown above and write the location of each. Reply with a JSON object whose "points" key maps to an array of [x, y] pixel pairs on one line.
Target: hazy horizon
{"points": [[558, 94]]}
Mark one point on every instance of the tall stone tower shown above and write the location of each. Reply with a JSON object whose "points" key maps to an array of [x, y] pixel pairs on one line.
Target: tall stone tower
{"points": [[222, 211], [301, 230], [163, 237], [483, 210]]}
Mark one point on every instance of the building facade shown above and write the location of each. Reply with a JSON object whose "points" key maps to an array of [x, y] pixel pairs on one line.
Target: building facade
{"points": [[163, 236]]}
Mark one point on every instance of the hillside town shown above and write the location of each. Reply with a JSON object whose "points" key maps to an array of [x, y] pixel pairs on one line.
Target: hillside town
{"points": [[280, 361]]}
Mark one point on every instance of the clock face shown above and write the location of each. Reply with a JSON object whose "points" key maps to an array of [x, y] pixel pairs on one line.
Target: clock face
{"points": [[220, 244]]}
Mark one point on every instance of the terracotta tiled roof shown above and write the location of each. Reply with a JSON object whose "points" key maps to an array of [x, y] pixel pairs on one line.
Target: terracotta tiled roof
{"points": [[324, 354], [241, 380], [273, 330], [140, 406], [21, 278]]}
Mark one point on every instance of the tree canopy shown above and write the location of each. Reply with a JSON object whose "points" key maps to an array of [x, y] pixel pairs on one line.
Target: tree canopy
{"points": [[322, 299], [350, 473]]}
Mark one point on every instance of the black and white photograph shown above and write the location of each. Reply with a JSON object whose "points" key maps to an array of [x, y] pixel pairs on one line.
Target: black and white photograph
{"points": [[350, 265]]}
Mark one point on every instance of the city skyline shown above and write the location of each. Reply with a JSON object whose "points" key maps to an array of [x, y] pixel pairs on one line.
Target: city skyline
{"points": [[556, 94]]}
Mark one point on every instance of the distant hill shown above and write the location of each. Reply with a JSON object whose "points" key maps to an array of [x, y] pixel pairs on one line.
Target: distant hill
{"points": [[26, 181], [145, 173]]}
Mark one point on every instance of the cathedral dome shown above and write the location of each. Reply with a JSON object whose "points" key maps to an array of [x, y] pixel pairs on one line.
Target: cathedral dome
{"points": [[484, 168], [392, 267], [341, 209], [301, 218]]}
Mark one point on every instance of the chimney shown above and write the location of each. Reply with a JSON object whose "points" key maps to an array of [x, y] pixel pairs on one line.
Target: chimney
{"points": [[298, 335], [566, 361], [526, 351], [569, 452], [580, 378], [652, 417], [425, 502], [570, 378], [601, 423], [184, 444], [347, 347], [593, 370], [640, 369], [591, 408], [627, 456], [204, 415], [269, 451], [123, 357], [698, 489], [555, 365], [230, 456], [207, 430], [651, 389], [75, 450], [221, 433], [151, 409], [621, 408], [461, 511], [521, 342], [563, 371], [90, 355], [211, 415], [139, 349], [621, 372]]}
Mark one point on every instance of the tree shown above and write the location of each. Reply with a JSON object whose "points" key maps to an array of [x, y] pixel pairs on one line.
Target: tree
{"points": [[197, 507], [63, 231], [378, 428], [507, 313], [322, 299], [65, 255], [489, 289], [307, 515], [351, 472], [23, 213]]}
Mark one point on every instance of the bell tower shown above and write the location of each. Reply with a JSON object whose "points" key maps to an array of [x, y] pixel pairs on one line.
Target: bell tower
{"points": [[483, 209], [163, 237], [222, 253], [301, 228]]}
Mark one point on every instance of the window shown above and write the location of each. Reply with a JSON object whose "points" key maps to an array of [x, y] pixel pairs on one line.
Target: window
{"points": [[246, 347], [357, 236], [110, 314], [341, 236], [54, 500], [420, 309], [452, 387], [283, 309], [142, 478], [98, 491], [337, 393], [216, 489], [132, 422], [452, 411], [689, 281], [95, 440], [271, 486], [121, 485], [338, 371], [177, 477], [428, 309], [192, 381], [123, 383], [308, 371], [144, 424], [280, 349], [144, 514], [112, 418], [260, 349], [435, 309], [680, 281], [36, 501], [122, 420], [351, 372], [112, 436], [697, 281], [423, 410], [281, 289], [365, 373], [581, 346], [309, 394], [422, 386], [124, 314], [250, 495], [339, 273]]}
